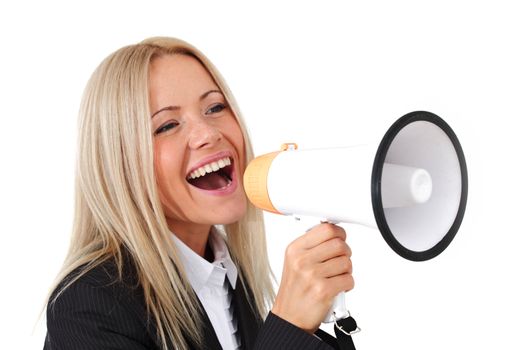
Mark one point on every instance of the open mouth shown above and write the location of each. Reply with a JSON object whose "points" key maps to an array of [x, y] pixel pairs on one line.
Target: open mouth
{"points": [[215, 175]]}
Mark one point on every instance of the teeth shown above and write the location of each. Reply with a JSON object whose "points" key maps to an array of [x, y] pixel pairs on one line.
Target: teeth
{"points": [[210, 167]]}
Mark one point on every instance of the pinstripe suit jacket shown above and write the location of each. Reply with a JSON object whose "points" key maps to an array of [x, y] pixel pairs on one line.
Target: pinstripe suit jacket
{"points": [[98, 312]]}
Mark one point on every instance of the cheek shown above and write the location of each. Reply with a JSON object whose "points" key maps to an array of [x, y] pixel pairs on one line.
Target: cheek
{"points": [[167, 168], [237, 139]]}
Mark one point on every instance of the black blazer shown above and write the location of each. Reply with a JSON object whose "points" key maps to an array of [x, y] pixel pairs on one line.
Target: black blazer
{"points": [[96, 312]]}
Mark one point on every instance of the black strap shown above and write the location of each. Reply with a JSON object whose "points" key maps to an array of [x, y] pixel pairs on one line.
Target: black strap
{"points": [[344, 328]]}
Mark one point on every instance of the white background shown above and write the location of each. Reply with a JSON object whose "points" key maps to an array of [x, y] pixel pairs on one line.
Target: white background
{"points": [[320, 75]]}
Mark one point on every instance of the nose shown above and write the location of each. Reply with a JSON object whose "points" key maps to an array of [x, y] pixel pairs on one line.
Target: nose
{"points": [[203, 135]]}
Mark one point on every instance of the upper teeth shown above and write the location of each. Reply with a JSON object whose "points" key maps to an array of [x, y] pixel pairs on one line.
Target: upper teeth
{"points": [[210, 167]]}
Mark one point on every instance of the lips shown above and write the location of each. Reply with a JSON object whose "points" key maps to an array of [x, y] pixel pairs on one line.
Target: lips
{"points": [[212, 174]]}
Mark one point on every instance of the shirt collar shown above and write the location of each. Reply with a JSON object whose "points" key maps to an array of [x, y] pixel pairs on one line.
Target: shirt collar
{"points": [[200, 271]]}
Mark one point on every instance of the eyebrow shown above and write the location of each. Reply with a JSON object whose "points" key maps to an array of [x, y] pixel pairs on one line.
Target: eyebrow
{"points": [[174, 108]]}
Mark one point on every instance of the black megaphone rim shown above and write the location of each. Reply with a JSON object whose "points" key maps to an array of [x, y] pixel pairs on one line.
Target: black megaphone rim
{"points": [[377, 171]]}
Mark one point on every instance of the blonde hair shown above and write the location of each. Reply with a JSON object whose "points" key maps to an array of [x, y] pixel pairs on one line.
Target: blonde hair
{"points": [[117, 207]]}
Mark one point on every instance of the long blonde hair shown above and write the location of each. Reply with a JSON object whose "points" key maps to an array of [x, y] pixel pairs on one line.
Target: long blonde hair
{"points": [[117, 206]]}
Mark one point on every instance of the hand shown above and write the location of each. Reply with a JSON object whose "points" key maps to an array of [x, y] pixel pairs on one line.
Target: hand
{"points": [[317, 267]]}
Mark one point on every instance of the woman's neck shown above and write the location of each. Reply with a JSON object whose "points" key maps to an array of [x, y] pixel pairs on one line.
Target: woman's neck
{"points": [[195, 236]]}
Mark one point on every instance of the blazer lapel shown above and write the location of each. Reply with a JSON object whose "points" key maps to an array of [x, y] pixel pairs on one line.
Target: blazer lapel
{"points": [[248, 321]]}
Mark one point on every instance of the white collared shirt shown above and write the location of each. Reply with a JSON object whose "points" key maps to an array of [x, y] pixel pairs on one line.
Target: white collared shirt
{"points": [[211, 286]]}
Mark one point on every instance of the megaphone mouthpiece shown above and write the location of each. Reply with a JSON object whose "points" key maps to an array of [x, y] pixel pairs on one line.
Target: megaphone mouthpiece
{"points": [[255, 181]]}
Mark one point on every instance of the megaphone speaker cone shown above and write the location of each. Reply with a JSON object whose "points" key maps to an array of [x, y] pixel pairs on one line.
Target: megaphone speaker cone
{"points": [[421, 140]]}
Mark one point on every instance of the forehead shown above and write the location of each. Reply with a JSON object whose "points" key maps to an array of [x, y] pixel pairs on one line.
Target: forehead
{"points": [[177, 78]]}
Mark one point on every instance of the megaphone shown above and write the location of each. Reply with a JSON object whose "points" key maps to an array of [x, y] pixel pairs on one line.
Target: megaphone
{"points": [[412, 185]]}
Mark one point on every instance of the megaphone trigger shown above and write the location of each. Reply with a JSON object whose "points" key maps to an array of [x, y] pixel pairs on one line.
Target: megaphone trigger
{"points": [[306, 223]]}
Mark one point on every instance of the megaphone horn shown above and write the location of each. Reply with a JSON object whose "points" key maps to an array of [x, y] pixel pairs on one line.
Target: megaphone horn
{"points": [[412, 186]]}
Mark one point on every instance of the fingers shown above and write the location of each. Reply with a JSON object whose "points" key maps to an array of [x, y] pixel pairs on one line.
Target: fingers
{"points": [[341, 283], [319, 234], [322, 243], [324, 291], [334, 267], [317, 267], [330, 249]]}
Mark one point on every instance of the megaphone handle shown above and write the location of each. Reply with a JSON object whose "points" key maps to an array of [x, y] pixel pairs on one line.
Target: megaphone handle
{"points": [[338, 310]]}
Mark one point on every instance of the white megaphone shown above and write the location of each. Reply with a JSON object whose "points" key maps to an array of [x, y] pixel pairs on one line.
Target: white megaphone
{"points": [[412, 186]]}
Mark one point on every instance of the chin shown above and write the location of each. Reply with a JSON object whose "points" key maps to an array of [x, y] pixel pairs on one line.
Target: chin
{"points": [[229, 215]]}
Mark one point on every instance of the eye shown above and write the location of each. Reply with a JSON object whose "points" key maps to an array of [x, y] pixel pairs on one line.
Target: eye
{"points": [[219, 107], [168, 126]]}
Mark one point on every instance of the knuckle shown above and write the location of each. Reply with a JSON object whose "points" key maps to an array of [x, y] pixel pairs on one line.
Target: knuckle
{"points": [[350, 283], [339, 246], [347, 264], [342, 232], [300, 263], [320, 292], [335, 231], [332, 229], [351, 266], [295, 265], [346, 250], [290, 251], [311, 274], [329, 230]]}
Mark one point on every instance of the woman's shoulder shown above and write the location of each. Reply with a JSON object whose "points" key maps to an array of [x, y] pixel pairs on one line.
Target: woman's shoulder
{"points": [[98, 306], [105, 275], [105, 280]]}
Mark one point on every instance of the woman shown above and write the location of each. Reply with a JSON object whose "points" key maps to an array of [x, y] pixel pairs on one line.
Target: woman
{"points": [[166, 253]]}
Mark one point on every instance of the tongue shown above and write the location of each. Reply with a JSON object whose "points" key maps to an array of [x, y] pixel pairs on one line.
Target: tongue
{"points": [[212, 181]]}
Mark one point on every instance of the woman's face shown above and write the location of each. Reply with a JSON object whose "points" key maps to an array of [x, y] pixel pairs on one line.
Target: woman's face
{"points": [[198, 146]]}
